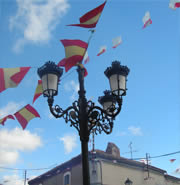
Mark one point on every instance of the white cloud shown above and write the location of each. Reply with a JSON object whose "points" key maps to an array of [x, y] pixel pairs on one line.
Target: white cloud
{"points": [[135, 130], [72, 86], [9, 157], [122, 133], [10, 108], [16, 140], [70, 142], [36, 20], [13, 180]]}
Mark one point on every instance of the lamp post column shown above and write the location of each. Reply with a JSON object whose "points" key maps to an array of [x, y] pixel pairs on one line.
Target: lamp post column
{"points": [[83, 122]]}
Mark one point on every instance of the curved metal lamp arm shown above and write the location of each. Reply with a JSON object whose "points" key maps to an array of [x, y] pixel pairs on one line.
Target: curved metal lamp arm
{"points": [[101, 120], [69, 115], [112, 112]]}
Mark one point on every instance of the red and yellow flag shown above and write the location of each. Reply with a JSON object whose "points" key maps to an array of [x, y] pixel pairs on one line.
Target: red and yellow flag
{"points": [[38, 91], [172, 160], [25, 114], [177, 5], [11, 77], [85, 70], [3, 120], [90, 19], [74, 51]]}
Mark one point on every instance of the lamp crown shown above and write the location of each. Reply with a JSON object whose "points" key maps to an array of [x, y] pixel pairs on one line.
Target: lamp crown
{"points": [[50, 67], [116, 68], [107, 97]]}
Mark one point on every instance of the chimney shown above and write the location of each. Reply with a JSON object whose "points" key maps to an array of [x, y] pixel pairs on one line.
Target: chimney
{"points": [[113, 150]]}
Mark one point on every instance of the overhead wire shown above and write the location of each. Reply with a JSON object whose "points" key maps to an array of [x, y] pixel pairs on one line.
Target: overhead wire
{"points": [[163, 155], [28, 169]]}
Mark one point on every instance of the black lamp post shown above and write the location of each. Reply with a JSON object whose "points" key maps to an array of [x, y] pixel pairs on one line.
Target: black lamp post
{"points": [[128, 182], [82, 114]]}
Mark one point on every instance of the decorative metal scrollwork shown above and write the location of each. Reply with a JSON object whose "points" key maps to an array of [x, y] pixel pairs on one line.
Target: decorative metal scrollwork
{"points": [[98, 119], [69, 115]]}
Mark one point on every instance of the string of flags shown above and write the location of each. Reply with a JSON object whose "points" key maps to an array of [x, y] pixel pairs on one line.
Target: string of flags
{"points": [[75, 52], [11, 77], [24, 115], [90, 19]]}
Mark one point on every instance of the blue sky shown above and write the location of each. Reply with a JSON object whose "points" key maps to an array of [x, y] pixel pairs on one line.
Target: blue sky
{"points": [[30, 31]]}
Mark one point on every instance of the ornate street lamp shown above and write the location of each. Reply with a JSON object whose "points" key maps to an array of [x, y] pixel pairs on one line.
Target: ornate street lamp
{"points": [[128, 182], [84, 115]]}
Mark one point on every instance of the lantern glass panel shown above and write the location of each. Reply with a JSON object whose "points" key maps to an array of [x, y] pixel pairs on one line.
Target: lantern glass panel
{"points": [[49, 84], [52, 81], [118, 88], [107, 105], [44, 82]]}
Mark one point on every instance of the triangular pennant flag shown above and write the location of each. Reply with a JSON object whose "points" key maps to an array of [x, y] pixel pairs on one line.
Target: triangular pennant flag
{"points": [[38, 91], [3, 120], [145, 161], [25, 114], [173, 4], [11, 77], [102, 50], [85, 70], [74, 51], [146, 20], [177, 170], [172, 160], [116, 42], [90, 19]]}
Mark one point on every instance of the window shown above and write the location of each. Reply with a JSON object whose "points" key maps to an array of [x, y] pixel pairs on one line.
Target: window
{"points": [[67, 178]]}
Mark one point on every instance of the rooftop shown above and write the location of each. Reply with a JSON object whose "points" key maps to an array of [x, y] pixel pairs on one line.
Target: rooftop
{"points": [[108, 156]]}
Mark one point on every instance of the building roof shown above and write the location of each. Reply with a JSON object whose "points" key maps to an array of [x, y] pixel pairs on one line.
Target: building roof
{"points": [[101, 156]]}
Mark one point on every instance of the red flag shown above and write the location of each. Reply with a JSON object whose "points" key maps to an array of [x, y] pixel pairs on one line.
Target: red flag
{"points": [[147, 20], [90, 19], [2, 121], [116, 42], [11, 77], [38, 91], [102, 50], [172, 160], [177, 170], [177, 4], [74, 50], [85, 70], [25, 114], [173, 4]]}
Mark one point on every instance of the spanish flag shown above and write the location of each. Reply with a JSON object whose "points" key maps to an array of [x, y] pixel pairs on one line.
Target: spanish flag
{"points": [[90, 19], [3, 120], [74, 51], [38, 91], [25, 114], [85, 70], [177, 5], [11, 77], [172, 160], [102, 50], [146, 20]]}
